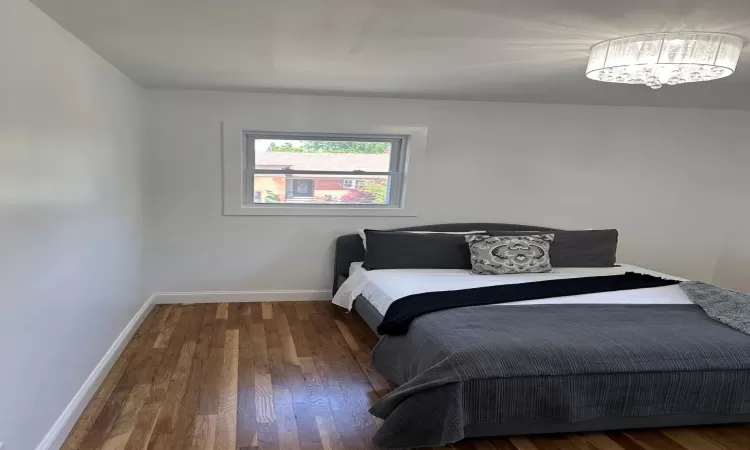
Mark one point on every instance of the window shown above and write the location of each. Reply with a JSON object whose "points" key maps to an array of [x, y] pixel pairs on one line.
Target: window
{"points": [[324, 170], [334, 168], [303, 188]]}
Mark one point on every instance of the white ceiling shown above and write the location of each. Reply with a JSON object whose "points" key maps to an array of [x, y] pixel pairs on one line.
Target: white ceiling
{"points": [[503, 50]]}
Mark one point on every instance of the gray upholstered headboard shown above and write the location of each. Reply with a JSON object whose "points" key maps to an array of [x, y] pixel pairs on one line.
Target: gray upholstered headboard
{"points": [[349, 247]]}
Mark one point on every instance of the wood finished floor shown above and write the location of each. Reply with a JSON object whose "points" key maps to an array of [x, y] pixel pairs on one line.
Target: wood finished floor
{"points": [[282, 376]]}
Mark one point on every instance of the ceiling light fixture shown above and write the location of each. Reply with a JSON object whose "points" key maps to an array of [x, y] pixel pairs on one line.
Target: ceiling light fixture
{"points": [[665, 58]]}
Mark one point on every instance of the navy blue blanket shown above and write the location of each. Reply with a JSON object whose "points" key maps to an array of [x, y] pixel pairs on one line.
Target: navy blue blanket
{"points": [[403, 311]]}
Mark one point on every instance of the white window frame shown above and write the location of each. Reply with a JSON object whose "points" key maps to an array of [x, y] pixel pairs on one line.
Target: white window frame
{"points": [[239, 170], [352, 183]]}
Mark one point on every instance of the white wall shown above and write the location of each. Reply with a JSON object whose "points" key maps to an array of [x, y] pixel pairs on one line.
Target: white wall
{"points": [[70, 217], [661, 176], [733, 265]]}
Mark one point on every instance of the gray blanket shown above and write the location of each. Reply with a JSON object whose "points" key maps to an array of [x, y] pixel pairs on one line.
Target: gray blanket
{"points": [[728, 307], [566, 362]]}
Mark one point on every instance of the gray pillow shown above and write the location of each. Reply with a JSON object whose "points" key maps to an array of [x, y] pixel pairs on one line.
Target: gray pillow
{"points": [[404, 250], [579, 248], [497, 255]]}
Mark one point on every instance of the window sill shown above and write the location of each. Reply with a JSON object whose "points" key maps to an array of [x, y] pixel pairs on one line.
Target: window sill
{"points": [[318, 211]]}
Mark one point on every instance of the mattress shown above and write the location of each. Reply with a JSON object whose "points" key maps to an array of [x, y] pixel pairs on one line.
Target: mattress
{"points": [[380, 288]]}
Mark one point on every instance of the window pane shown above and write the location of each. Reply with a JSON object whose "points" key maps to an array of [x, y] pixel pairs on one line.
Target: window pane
{"points": [[321, 189], [344, 156]]}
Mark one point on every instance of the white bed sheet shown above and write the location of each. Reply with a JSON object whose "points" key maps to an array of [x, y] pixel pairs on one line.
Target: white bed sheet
{"points": [[383, 287]]}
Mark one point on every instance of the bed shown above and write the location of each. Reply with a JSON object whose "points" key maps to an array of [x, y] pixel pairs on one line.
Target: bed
{"points": [[615, 372]]}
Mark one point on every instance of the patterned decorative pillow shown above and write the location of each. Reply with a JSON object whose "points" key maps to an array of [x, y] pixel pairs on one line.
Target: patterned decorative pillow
{"points": [[495, 255]]}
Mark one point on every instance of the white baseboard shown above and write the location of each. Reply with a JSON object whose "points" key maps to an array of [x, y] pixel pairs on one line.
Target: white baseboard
{"points": [[56, 436], [305, 295]]}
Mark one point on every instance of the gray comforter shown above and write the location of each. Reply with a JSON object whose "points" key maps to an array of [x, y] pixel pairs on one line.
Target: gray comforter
{"points": [[567, 363]]}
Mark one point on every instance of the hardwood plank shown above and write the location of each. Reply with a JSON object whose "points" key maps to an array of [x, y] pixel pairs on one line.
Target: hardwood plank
{"points": [[163, 311], [725, 437], [267, 309], [332, 342], [265, 415], [256, 312], [203, 347], [739, 433], [482, 445], [275, 355], [325, 353], [233, 316], [286, 341], [624, 441], [690, 439], [105, 421], [544, 442], [599, 441], [165, 424], [345, 423], [359, 329], [151, 323], [188, 411], [226, 420], [463, 445], [184, 425], [144, 428], [145, 368], [563, 442], [348, 338], [329, 437], [314, 387], [522, 443], [219, 329], [245, 312], [304, 309], [653, 440], [247, 431], [126, 420], [166, 333], [306, 426], [187, 332], [286, 421], [209, 403], [222, 311], [163, 374], [205, 432], [258, 343], [268, 437], [195, 324], [295, 327], [502, 444], [265, 412]]}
